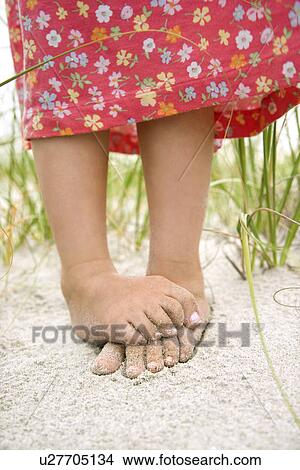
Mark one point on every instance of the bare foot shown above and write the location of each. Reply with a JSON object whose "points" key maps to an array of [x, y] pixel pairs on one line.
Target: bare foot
{"points": [[105, 306], [166, 351]]}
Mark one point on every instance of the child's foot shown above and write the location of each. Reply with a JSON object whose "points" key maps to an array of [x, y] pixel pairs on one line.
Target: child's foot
{"points": [[105, 306], [187, 274], [167, 351]]}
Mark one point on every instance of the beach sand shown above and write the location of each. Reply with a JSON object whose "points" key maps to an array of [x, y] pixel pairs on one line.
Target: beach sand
{"points": [[224, 397]]}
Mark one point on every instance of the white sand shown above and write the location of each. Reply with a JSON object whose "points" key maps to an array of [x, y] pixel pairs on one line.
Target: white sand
{"points": [[222, 398]]}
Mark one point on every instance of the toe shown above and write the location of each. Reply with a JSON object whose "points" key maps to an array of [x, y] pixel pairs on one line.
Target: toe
{"points": [[170, 351], [131, 336], [186, 344], [154, 357], [174, 310], [135, 361], [192, 313], [146, 327], [109, 359], [159, 317]]}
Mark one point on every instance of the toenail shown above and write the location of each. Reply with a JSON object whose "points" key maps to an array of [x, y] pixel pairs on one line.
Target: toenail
{"points": [[169, 360], [131, 371], [171, 331], [152, 366], [195, 318]]}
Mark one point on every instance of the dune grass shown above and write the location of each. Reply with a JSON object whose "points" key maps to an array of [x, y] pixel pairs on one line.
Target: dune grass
{"points": [[248, 175]]}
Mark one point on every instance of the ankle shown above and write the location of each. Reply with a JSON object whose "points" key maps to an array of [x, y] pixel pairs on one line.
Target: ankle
{"points": [[76, 275], [185, 272]]}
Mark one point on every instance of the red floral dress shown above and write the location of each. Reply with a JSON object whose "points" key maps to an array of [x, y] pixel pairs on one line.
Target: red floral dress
{"points": [[111, 63]]}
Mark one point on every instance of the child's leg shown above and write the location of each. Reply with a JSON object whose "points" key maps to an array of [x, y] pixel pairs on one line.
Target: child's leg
{"points": [[72, 174], [177, 210], [177, 188]]}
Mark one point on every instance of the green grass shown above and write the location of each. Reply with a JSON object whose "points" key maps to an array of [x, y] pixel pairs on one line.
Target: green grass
{"points": [[259, 176]]}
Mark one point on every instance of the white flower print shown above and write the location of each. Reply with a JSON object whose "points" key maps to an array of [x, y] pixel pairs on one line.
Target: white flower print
{"points": [[149, 45], [27, 23], [61, 110], [172, 6], [103, 13], [115, 110], [118, 93], [223, 88], [242, 91], [72, 60], [294, 15], [56, 84], [126, 12], [266, 36], [194, 70], [190, 93], [213, 90], [102, 65], [255, 13], [215, 67], [29, 113], [42, 20], [158, 3], [76, 37], [53, 38], [184, 52], [238, 13], [47, 100], [114, 79], [243, 39], [289, 69], [97, 98]]}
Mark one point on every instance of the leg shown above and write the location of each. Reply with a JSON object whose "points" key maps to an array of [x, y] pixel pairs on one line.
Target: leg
{"points": [[177, 210], [72, 174], [177, 188]]}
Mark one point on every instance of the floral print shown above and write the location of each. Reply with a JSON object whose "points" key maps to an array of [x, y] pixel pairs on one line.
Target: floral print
{"points": [[113, 63]]}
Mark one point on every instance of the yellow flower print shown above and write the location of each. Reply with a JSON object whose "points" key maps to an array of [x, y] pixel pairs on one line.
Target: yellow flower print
{"points": [[173, 38], [147, 97], [166, 79], [93, 122], [31, 4], [140, 23], [17, 57], [272, 107], [61, 13], [83, 9], [203, 44], [166, 109], [224, 36], [280, 45], [263, 84], [36, 122], [201, 16], [73, 94], [66, 131], [15, 34], [123, 57], [238, 61], [30, 48], [98, 34], [240, 118], [31, 78]]}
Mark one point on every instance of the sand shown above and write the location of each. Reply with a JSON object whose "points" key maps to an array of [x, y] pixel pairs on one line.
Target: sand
{"points": [[224, 397]]}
